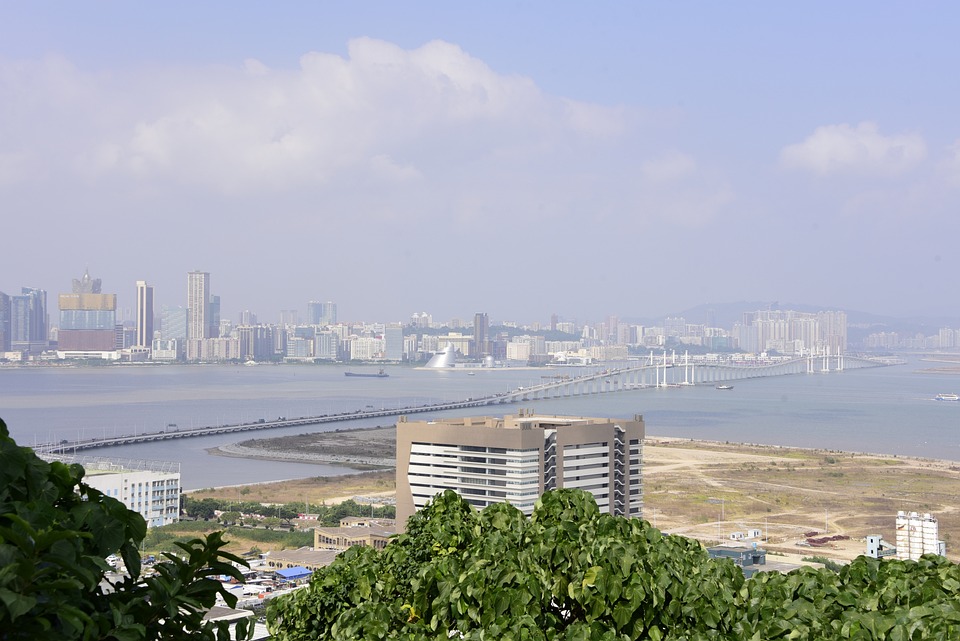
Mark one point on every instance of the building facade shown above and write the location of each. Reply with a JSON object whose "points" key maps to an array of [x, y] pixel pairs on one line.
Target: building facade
{"points": [[150, 488], [29, 322], [88, 318], [4, 322], [198, 305], [198, 312], [144, 315], [516, 458], [481, 334], [154, 495], [328, 313]]}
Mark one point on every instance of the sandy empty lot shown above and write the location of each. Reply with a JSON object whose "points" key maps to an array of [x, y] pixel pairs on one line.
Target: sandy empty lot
{"points": [[707, 490]]}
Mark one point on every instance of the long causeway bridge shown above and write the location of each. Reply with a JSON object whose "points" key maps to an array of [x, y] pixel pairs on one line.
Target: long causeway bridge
{"points": [[661, 371]]}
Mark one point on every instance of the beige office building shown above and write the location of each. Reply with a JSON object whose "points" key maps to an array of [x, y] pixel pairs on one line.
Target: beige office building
{"points": [[516, 458]]}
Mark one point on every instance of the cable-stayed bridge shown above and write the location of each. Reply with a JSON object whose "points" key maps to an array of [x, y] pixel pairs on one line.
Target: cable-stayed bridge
{"points": [[666, 370]]}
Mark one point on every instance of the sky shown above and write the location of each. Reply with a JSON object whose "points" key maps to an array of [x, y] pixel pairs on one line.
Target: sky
{"points": [[518, 158]]}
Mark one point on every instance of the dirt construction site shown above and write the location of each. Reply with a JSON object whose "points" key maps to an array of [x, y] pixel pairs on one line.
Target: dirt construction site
{"points": [[803, 502]]}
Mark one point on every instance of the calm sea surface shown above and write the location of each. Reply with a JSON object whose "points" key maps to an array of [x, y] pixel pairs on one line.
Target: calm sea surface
{"points": [[885, 410]]}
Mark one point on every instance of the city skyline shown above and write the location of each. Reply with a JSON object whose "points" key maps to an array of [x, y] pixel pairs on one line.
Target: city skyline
{"points": [[127, 310], [632, 160]]}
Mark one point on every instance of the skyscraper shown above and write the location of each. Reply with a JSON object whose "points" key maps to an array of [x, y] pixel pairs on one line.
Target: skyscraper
{"points": [[144, 314], [4, 322], [198, 313], [214, 317], [28, 320], [328, 313], [173, 323], [289, 317], [314, 312], [481, 330], [198, 305], [88, 318], [393, 342]]}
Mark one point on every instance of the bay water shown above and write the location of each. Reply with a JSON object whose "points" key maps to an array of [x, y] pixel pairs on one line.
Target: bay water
{"points": [[886, 410]]}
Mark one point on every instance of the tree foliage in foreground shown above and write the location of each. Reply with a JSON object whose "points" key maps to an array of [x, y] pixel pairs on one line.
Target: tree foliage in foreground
{"points": [[55, 535], [571, 573]]}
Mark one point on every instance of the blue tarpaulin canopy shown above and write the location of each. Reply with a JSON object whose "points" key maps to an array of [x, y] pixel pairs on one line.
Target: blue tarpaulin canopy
{"points": [[292, 574]]}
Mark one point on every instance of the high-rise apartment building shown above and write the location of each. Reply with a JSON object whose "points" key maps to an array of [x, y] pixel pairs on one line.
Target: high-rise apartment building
{"points": [[256, 342], [214, 310], [4, 322], [393, 343], [313, 312], [144, 314], [173, 323], [516, 458], [198, 305], [289, 317], [29, 321], [199, 314], [328, 313], [481, 334], [793, 332]]}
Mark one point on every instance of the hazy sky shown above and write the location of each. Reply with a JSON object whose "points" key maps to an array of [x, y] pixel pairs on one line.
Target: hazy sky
{"points": [[518, 158]]}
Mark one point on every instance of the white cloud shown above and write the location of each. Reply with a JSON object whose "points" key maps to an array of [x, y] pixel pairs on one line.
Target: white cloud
{"points": [[429, 134], [672, 187], [668, 168], [254, 127], [950, 165], [836, 149]]}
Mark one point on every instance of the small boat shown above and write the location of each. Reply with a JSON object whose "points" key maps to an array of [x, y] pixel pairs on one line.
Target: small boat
{"points": [[724, 386], [380, 374], [948, 397]]}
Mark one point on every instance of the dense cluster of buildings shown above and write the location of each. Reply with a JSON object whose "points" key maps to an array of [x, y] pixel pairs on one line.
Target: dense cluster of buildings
{"points": [[89, 325], [946, 338]]}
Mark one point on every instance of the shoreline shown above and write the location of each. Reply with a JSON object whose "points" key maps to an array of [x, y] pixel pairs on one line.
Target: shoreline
{"points": [[733, 446], [362, 463], [235, 450]]}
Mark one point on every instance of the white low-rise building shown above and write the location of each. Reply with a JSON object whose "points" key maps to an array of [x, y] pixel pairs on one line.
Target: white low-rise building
{"points": [[151, 488]]}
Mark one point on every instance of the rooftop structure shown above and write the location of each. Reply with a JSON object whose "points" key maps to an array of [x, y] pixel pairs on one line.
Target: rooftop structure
{"points": [[301, 557], [516, 458], [749, 558]]}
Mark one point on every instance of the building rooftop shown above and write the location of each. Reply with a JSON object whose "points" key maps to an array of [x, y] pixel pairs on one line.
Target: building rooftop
{"points": [[305, 557], [523, 421]]}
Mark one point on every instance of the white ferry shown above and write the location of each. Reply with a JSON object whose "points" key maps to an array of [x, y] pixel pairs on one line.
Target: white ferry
{"points": [[948, 397]]}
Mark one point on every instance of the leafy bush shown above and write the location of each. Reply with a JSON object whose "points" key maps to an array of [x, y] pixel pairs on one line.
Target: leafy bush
{"points": [[55, 535], [571, 573]]}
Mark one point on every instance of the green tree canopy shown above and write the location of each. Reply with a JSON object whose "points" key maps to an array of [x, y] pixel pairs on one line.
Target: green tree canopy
{"points": [[55, 535], [572, 573]]}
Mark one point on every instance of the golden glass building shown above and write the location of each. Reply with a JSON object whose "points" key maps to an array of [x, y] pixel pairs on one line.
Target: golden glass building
{"points": [[88, 318]]}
